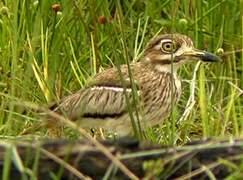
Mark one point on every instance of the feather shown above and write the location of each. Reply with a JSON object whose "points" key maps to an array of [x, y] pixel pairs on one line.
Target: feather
{"points": [[103, 97]]}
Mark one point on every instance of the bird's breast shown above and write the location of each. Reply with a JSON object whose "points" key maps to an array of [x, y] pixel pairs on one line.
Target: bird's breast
{"points": [[158, 93]]}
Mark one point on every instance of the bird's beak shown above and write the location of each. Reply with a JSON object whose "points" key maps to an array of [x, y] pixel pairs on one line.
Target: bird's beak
{"points": [[201, 55]]}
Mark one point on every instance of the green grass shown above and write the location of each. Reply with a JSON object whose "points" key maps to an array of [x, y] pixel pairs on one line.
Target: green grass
{"points": [[46, 55]]}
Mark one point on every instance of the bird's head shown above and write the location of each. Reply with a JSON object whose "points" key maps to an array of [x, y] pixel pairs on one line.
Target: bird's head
{"points": [[174, 48]]}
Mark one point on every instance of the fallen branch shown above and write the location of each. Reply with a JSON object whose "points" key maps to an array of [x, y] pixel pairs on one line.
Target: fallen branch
{"points": [[83, 160]]}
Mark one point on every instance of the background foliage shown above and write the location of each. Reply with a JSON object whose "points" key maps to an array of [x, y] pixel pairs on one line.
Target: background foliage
{"points": [[49, 49]]}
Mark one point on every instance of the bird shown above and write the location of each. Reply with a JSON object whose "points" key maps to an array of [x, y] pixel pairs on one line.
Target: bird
{"points": [[104, 102]]}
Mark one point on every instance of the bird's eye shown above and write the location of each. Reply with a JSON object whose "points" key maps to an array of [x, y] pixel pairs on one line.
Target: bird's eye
{"points": [[168, 47]]}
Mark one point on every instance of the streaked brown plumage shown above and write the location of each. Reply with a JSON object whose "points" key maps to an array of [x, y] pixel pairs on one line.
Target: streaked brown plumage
{"points": [[102, 102]]}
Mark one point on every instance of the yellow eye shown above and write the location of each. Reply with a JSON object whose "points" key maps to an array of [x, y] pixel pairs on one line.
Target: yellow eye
{"points": [[168, 47]]}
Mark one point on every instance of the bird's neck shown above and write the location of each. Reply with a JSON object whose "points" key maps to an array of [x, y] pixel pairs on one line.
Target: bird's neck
{"points": [[166, 68], [160, 67]]}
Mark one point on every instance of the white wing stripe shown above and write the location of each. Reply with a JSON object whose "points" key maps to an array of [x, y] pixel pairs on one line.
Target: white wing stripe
{"points": [[117, 89]]}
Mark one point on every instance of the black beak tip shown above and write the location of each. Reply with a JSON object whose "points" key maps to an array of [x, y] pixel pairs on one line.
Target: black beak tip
{"points": [[209, 57]]}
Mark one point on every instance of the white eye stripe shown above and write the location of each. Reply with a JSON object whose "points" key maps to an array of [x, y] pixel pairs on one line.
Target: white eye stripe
{"points": [[165, 41]]}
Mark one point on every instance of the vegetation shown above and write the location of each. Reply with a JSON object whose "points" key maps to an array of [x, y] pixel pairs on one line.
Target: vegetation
{"points": [[49, 49]]}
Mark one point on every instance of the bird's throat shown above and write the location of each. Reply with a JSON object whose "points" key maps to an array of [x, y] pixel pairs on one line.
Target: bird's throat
{"points": [[168, 68]]}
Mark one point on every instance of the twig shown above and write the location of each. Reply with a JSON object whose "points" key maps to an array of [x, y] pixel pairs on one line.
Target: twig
{"points": [[65, 165], [191, 100], [236, 87]]}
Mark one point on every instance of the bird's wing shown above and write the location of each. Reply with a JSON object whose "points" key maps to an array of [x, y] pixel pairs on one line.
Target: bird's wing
{"points": [[103, 97]]}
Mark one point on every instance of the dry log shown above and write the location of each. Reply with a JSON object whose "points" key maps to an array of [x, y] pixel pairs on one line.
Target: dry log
{"points": [[81, 159]]}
